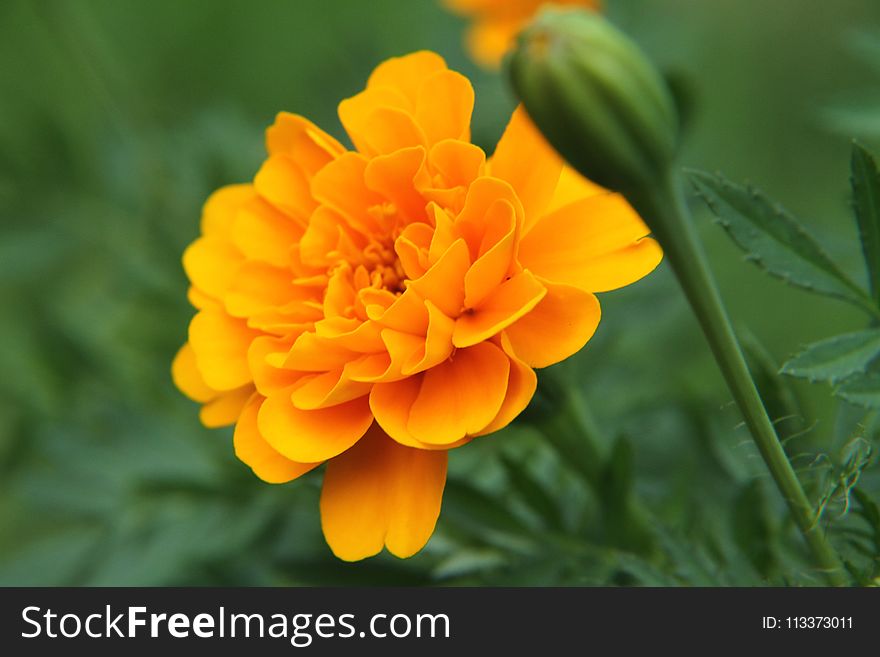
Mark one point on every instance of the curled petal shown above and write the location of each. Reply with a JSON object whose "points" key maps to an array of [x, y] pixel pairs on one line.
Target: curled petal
{"points": [[225, 408], [285, 186], [406, 74], [221, 208], [187, 377], [444, 106], [211, 263], [521, 386], [525, 160], [263, 233], [253, 450], [315, 435], [380, 493], [562, 322], [297, 137], [597, 244], [443, 283], [220, 344], [503, 306], [461, 396]]}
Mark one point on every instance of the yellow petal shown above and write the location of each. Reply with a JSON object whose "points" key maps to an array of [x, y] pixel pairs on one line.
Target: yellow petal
{"points": [[210, 263], [505, 305], [221, 208], [397, 176], [187, 377], [355, 112], [258, 286], [461, 396], [285, 186], [406, 74], [525, 160], [443, 283], [521, 386], [558, 327], [572, 187], [444, 107], [494, 264], [380, 493], [340, 185], [436, 346], [263, 233], [253, 450], [268, 378], [225, 409], [309, 146], [458, 162], [596, 244], [312, 436], [220, 344], [326, 389]]}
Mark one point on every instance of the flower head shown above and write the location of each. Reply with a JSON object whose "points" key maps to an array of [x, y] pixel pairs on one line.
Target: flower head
{"points": [[373, 308], [497, 22]]}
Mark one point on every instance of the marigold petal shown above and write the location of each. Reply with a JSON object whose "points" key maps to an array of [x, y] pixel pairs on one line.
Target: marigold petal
{"points": [[572, 187], [220, 344], [397, 176], [521, 386], [525, 160], [596, 244], [443, 283], [444, 107], [286, 187], [263, 233], [391, 403], [506, 304], [200, 300], [461, 396], [559, 326], [388, 129], [225, 408], [303, 141], [258, 286], [221, 208], [253, 450], [268, 378], [458, 162], [211, 263], [327, 389], [436, 346], [187, 377], [406, 74], [380, 493], [340, 185], [314, 435], [493, 265], [313, 353], [483, 219]]}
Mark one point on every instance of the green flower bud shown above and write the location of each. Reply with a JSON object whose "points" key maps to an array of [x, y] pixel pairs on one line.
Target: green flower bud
{"points": [[596, 98]]}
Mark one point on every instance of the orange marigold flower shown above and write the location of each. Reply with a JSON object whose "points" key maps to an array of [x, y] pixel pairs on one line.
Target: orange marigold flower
{"points": [[376, 307], [497, 22]]}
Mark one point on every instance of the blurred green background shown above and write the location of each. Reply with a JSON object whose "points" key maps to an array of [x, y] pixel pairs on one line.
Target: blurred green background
{"points": [[117, 119]]}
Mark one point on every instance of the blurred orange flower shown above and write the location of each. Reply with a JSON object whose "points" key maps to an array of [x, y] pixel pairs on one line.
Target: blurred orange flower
{"points": [[376, 307], [497, 22]]}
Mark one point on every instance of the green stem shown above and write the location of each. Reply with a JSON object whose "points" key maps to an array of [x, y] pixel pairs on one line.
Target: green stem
{"points": [[664, 210]]}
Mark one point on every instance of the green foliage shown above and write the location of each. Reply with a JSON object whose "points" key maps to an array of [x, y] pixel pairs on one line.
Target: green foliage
{"points": [[866, 202], [835, 358], [774, 240]]}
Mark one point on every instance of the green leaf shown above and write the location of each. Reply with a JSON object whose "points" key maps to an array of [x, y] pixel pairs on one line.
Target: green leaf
{"points": [[837, 358], [866, 202], [532, 492], [861, 390], [775, 240]]}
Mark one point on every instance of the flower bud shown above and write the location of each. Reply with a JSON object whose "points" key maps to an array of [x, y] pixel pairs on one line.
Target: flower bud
{"points": [[596, 98]]}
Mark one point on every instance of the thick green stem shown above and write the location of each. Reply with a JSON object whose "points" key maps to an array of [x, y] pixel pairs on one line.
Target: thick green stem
{"points": [[664, 210]]}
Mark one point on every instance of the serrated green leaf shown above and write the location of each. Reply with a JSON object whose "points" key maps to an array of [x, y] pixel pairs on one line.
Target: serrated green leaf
{"points": [[861, 389], [835, 359], [866, 203], [775, 240]]}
